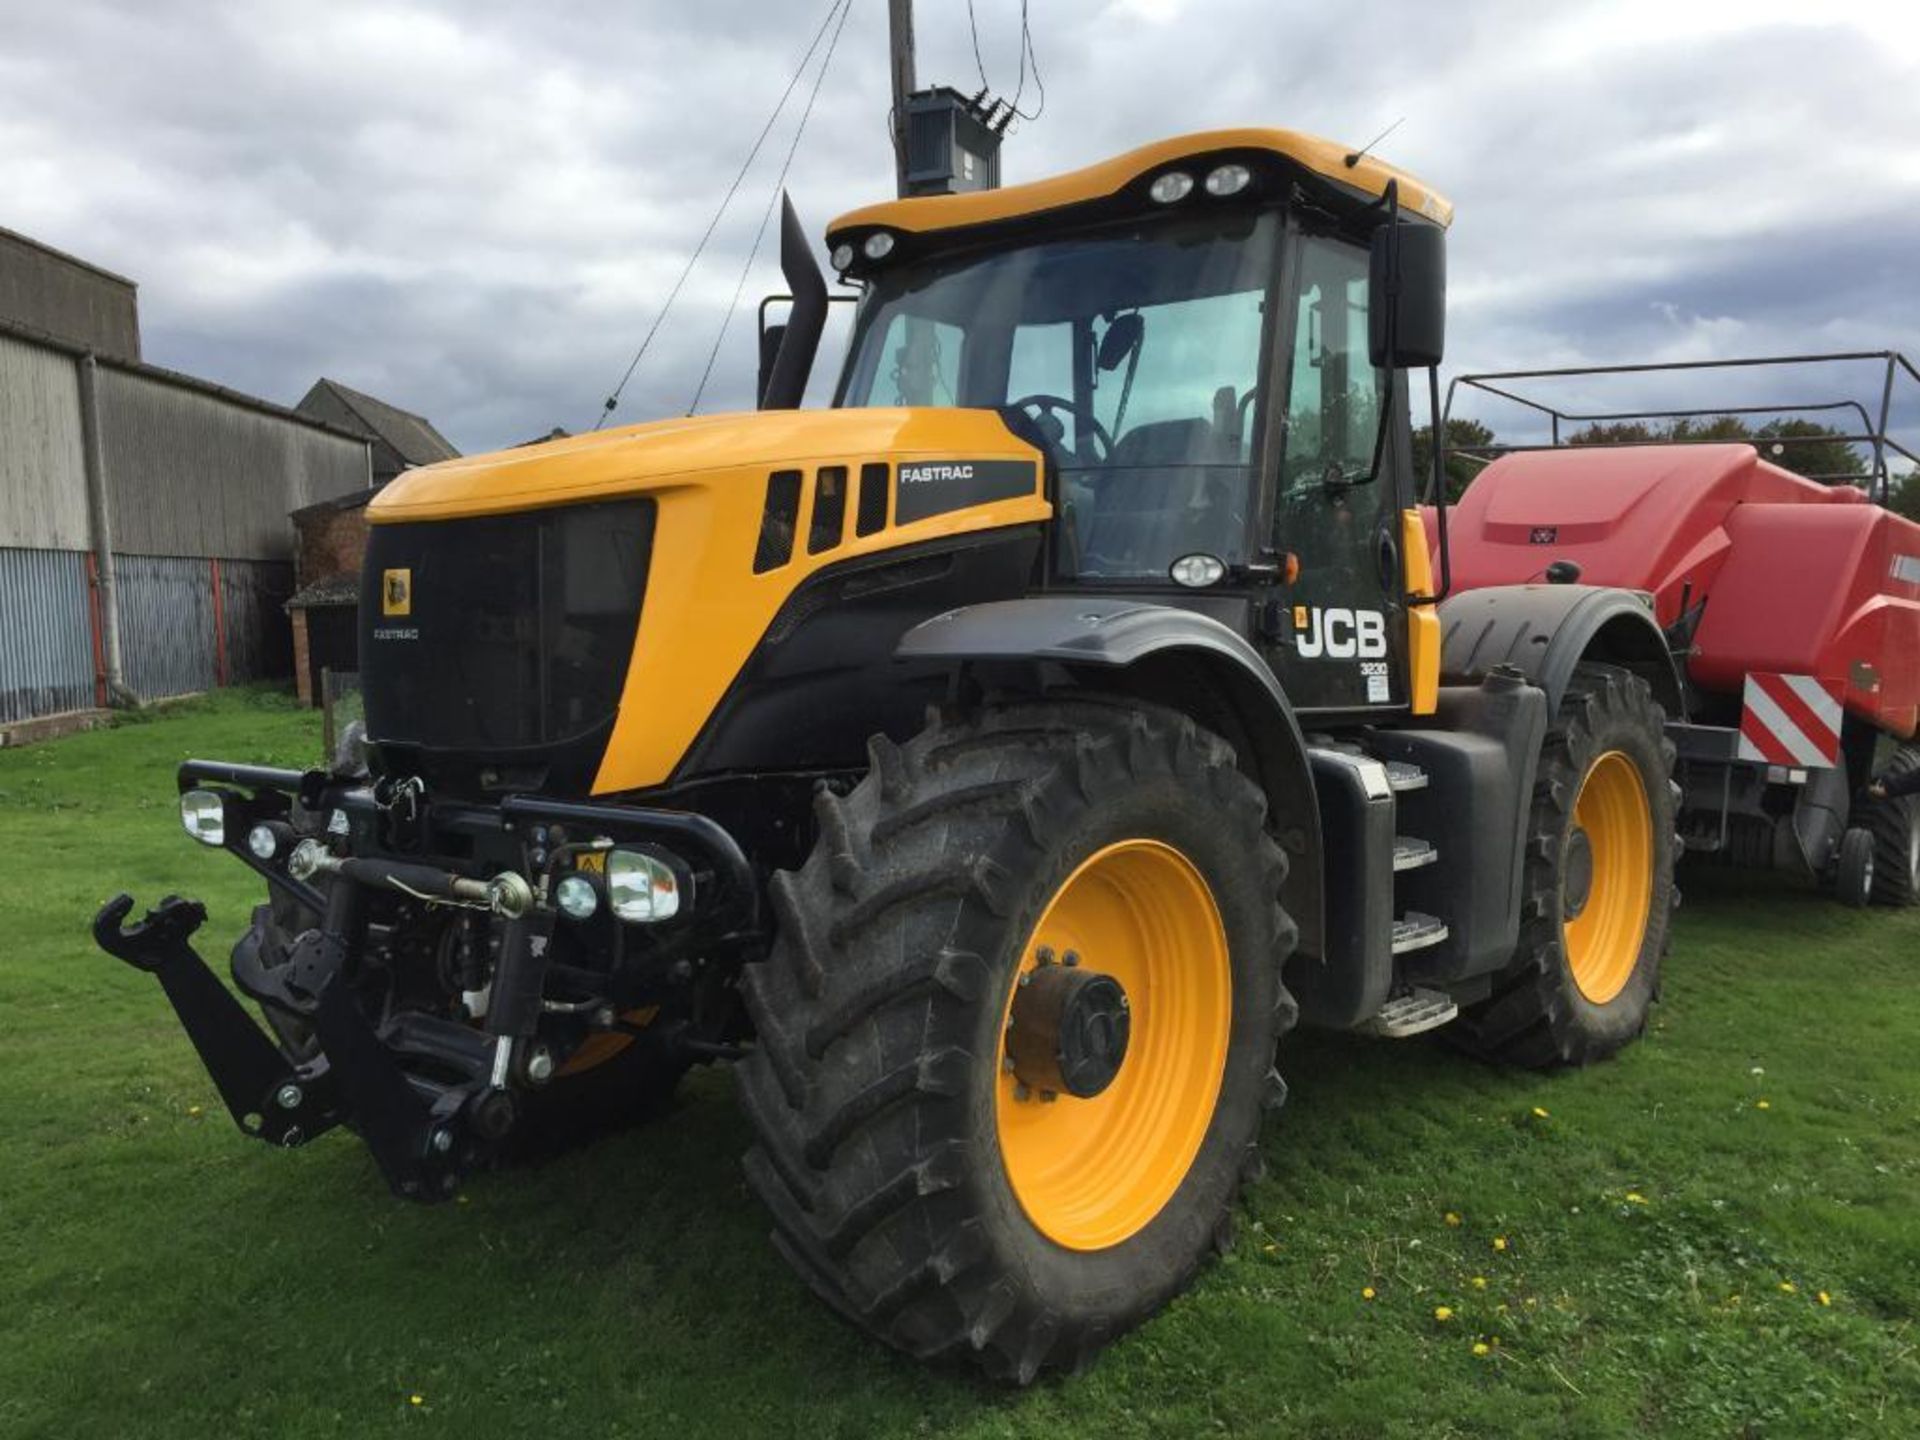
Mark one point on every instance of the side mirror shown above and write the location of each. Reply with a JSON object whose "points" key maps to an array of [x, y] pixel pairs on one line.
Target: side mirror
{"points": [[1407, 283]]}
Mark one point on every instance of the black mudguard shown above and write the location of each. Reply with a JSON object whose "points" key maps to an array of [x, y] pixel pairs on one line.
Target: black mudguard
{"points": [[1119, 642], [1543, 631]]}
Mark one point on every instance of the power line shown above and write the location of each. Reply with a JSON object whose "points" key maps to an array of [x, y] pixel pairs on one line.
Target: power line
{"points": [[725, 201], [1028, 60], [779, 184]]}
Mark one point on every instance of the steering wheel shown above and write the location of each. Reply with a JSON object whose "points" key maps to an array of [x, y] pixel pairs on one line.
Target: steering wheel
{"points": [[1044, 405]]}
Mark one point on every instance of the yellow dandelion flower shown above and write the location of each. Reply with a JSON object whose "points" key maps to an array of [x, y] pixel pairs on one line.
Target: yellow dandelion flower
{"points": [[1500, 1243], [416, 1399], [1761, 1105], [193, 1111], [1451, 1218], [1634, 1197], [1443, 1313], [1271, 1249], [1479, 1282], [1787, 1287], [1494, 1340], [1367, 1292], [1480, 1347], [1824, 1298], [1539, 1113]]}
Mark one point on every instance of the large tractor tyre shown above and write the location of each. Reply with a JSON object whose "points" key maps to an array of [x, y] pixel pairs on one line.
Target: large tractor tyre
{"points": [[1598, 888], [1017, 1028], [1895, 825]]}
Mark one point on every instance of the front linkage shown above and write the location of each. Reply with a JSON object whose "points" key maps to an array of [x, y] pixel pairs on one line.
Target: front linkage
{"points": [[432, 1080]]}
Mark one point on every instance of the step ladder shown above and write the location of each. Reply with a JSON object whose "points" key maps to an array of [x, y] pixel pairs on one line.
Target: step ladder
{"points": [[1417, 1009]]}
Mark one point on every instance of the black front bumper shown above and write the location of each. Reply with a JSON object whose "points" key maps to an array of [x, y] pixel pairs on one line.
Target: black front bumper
{"points": [[430, 1093]]}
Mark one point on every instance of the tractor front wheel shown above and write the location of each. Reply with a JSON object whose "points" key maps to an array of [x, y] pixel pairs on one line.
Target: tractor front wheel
{"points": [[1016, 1031]]}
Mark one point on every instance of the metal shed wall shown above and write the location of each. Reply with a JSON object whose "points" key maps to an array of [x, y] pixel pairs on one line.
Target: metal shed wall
{"points": [[195, 474], [46, 644], [43, 490], [66, 297]]}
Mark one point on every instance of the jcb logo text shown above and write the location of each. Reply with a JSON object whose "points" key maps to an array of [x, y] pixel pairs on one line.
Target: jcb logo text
{"points": [[1339, 634]]}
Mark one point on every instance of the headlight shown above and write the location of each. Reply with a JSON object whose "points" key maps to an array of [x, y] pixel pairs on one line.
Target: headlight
{"points": [[842, 256], [576, 897], [1228, 179], [641, 888], [1172, 186], [878, 245], [204, 814], [262, 841]]}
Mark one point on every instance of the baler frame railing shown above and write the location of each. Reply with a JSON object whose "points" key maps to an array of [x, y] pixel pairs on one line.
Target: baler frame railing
{"points": [[1878, 437]]}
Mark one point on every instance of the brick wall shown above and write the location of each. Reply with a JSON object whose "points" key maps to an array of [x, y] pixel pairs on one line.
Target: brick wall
{"points": [[331, 543]]}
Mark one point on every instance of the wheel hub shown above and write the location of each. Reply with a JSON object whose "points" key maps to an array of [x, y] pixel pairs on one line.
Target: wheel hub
{"points": [[1069, 1031], [1578, 882]]}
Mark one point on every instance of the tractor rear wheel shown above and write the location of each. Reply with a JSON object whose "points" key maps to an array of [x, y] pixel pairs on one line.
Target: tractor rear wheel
{"points": [[1016, 1030], [1896, 837], [1598, 887]]}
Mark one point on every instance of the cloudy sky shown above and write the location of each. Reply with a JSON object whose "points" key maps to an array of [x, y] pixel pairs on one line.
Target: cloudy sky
{"points": [[474, 209]]}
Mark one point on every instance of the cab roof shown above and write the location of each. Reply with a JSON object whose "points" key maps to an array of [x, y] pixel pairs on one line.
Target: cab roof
{"points": [[1309, 156]]}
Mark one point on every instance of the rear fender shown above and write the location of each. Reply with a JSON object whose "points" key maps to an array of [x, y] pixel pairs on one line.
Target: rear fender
{"points": [[1544, 631], [1160, 653]]}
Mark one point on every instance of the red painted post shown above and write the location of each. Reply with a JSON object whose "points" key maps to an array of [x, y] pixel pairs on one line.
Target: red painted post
{"points": [[93, 625], [219, 627]]}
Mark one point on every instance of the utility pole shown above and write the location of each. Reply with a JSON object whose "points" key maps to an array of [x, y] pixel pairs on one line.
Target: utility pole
{"points": [[900, 45]]}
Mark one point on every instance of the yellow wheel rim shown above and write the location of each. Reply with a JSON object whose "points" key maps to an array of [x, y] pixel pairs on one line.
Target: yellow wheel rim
{"points": [[1603, 929], [1091, 1172]]}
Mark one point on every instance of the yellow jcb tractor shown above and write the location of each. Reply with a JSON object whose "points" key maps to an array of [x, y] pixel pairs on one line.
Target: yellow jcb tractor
{"points": [[993, 765]]}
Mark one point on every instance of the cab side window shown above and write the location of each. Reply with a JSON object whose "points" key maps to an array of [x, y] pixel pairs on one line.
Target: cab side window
{"points": [[1333, 404]]}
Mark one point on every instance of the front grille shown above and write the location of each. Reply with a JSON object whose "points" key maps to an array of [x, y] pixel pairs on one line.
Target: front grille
{"points": [[501, 633]]}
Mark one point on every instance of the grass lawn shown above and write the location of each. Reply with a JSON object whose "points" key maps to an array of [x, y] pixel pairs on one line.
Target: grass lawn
{"points": [[1717, 1234]]}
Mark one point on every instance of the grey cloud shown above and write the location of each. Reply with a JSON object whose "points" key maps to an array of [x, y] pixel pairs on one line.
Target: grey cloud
{"points": [[475, 209]]}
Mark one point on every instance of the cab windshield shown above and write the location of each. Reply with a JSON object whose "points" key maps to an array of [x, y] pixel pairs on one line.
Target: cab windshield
{"points": [[1135, 353]]}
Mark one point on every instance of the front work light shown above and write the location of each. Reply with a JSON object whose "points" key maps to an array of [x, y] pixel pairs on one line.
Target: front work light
{"points": [[1197, 571], [576, 897], [1228, 179], [1172, 186], [842, 256], [878, 245], [262, 841], [204, 814], [640, 888]]}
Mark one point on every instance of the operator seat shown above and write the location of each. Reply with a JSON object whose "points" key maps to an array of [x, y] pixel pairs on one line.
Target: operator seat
{"points": [[1158, 496]]}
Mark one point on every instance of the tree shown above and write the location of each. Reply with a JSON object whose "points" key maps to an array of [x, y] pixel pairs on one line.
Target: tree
{"points": [[1905, 499], [1462, 435], [1803, 446]]}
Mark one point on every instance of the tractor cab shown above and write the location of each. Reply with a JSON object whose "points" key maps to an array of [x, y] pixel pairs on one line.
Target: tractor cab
{"points": [[1199, 355]]}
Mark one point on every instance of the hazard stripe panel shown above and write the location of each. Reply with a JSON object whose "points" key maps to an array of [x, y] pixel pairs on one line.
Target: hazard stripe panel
{"points": [[1790, 720]]}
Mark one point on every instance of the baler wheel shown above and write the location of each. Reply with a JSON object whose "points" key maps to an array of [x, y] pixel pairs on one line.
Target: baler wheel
{"points": [[1896, 837], [1854, 871], [1016, 1031], [1599, 886]]}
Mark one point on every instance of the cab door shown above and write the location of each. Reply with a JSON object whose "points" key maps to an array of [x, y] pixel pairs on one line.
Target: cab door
{"points": [[1336, 635]]}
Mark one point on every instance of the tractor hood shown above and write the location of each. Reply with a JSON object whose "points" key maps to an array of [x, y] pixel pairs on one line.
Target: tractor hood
{"points": [[696, 450], [582, 606]]}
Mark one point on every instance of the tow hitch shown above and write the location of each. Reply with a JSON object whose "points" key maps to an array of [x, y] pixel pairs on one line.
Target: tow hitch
{"points": [[418, 1142]]}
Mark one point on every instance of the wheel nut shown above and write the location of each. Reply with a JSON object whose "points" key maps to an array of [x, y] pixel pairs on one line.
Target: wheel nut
{"points": [[1021, 1092], [288, 1097], [442, 1140], [1043, 956], [540, 1066], [1072, 957]]}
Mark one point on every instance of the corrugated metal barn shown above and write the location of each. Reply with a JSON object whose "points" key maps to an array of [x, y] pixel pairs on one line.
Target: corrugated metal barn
{"points": [[144, 532]]}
